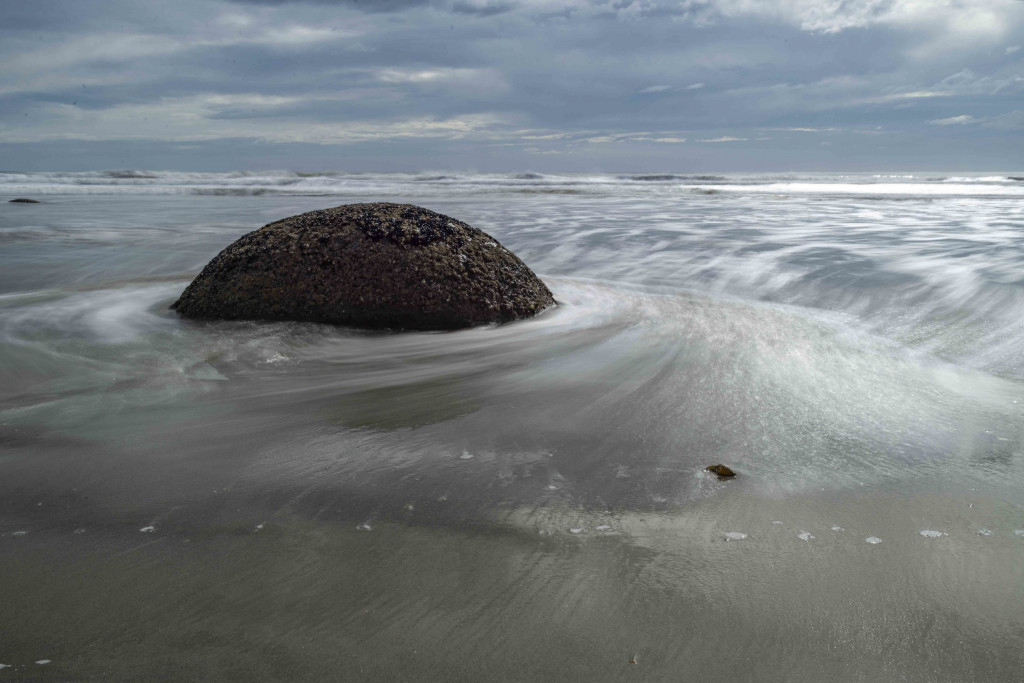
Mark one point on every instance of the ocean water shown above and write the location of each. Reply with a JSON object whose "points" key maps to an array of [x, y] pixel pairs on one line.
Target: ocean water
{"points": [[262, 501]]}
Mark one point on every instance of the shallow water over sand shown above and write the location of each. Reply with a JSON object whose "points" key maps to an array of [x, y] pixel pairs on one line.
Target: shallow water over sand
{"points": [[526, 502]]}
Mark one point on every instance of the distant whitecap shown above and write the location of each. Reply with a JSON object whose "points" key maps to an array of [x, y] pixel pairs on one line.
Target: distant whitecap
{"points": [[776, 521], [836, 527], [43, 661], [805, 536], [932, 533], [148, 529], [1019, 532], [603, 527], [19, 533], [576, 530], [873, 540], [984, 532], [365, 526], [734, 535], [466, 455]]}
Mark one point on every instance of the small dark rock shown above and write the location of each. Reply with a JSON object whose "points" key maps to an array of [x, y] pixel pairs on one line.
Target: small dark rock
{"points": [[722, 471], [377, 266], [22, 200]]}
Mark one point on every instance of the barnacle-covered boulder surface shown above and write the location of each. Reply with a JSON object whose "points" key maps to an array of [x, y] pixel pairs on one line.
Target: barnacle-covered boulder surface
{"points": [[377, 266]]}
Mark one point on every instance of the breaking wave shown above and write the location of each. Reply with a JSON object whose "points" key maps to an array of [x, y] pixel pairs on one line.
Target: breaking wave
{"points": [[342, 184]]}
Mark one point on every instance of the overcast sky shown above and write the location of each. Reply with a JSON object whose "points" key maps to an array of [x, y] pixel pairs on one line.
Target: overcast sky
{"points": [[494, 85]]}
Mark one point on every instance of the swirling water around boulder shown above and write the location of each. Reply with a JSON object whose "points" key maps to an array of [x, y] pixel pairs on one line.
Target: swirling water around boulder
{"points": [[354, 497]]}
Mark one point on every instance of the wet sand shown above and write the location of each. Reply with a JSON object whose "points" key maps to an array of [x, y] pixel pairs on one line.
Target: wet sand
{"points": [[257, 501]]}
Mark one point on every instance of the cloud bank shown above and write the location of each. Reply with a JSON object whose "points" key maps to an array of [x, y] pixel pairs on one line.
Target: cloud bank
{"points": [[506, 84]]}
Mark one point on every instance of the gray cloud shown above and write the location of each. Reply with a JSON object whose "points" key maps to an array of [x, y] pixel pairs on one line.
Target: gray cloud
{"points": [[363, 5], [482, 9], [581, 83]]}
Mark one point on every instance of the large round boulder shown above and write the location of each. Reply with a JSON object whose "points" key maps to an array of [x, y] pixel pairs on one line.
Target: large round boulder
{"points": [[379, 266]]}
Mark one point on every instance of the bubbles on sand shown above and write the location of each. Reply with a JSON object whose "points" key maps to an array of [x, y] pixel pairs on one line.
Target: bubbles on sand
{"points": [[734, 535], [932, 533], [805, 536], [984, 532], [873, 540], [148, 529]]}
